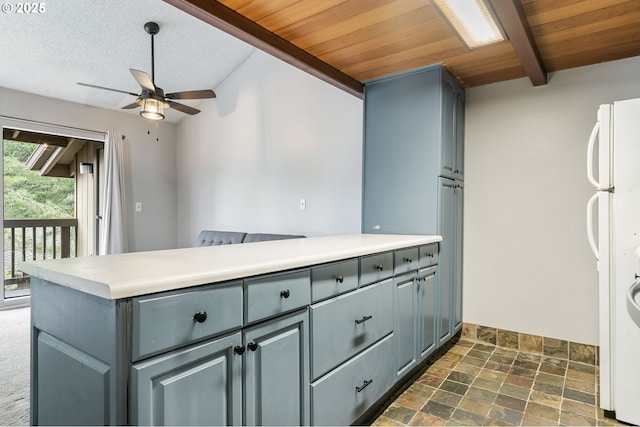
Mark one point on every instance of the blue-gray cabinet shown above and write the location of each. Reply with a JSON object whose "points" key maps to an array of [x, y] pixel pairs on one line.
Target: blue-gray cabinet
{"points": [[450, 264], [277, 372], [406, 323], [254, 351], [427, 303], [78, 364], [415, 313], [197, 385], [452, 128], [414, 171], [352, 341]]}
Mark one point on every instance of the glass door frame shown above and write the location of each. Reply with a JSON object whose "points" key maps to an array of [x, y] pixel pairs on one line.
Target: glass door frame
{"points": [[39, 127]]}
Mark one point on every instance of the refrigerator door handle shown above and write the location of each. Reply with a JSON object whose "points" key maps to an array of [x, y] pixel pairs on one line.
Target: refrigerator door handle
{"points": [[590, 150], [590, 236]]}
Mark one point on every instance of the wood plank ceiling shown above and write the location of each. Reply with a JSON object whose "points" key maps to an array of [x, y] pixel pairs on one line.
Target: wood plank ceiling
{"points": [[366, 39]]}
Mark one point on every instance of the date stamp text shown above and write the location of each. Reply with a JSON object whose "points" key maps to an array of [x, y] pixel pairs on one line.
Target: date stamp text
{"points": [[26, 8]]}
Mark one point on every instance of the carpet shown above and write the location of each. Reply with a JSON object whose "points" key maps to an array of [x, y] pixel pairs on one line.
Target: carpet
{"points": [[14, 366]]}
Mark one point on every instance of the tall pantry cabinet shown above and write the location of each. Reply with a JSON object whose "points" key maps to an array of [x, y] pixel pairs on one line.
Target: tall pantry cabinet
{"points": [[414, 172]]}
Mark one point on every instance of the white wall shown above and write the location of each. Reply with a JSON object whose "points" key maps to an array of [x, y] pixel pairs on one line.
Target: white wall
{"points": [[150, 166], [274, 135], [527, 263]]}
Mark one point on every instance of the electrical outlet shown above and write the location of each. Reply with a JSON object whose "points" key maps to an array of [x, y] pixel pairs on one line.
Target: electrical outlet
{"points": [[303, 204]]}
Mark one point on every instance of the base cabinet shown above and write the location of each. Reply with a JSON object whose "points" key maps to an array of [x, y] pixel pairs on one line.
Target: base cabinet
{"points": [[450, 262], [426, 284], [414, 318], [405, 323], [279, 359], [277, 372], [79, 379], [198, 385]]}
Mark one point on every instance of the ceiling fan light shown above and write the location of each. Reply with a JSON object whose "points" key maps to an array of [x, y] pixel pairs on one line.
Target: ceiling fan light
{"points": [[472, 20], [152, 109]]}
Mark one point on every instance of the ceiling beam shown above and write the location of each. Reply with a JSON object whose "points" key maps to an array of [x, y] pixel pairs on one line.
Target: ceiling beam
{"points": [[514, 22], [38, 138], [231, 22]]}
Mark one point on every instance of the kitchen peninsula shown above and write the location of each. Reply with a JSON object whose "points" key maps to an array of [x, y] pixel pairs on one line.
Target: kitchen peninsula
{"points": [[309, 331]]}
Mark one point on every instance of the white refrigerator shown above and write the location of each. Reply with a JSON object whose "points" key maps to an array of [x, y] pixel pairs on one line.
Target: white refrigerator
{"points": [[613, 230]]}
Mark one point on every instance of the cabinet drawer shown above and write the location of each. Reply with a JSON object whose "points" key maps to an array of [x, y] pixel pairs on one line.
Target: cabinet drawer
{"points": [[342, 396], [333, 279], [428, 255], [168, 320], [374, 268], [405, 260], [267, 296], [345, 325]]}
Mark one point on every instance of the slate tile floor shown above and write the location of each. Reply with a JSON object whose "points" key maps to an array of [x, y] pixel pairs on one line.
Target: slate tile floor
{"points": [[481, 384]]}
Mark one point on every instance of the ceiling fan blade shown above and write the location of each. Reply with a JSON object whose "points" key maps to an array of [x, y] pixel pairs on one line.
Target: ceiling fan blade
{"points": [[131, 106], [143, 79], [107, 88], [192, 94], [183, 108]]}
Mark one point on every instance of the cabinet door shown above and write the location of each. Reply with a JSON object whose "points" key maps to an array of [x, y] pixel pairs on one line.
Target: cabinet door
{"points": [[197, 385], [459, 197], [277, 372], [445, 268], [448, 128], [405, 322], [426, 289], [459, 135], [401, 153]]}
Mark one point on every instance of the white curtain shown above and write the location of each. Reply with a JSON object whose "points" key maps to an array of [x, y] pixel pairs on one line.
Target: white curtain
{"points": [[113, 239]]}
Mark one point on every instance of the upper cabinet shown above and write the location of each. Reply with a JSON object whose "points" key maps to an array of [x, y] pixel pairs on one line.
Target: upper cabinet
{"points": [[452, 128], [414, 133]]}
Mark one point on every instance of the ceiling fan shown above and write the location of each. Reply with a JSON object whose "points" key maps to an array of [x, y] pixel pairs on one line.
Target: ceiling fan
{"points": [[152, 99]]}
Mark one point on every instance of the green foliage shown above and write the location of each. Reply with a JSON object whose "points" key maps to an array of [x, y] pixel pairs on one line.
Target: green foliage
{"points": [[27, 195]]}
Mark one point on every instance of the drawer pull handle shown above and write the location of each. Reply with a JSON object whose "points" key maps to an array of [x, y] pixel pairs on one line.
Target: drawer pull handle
{"points": [[379, 267], [253, 346], [239, 349], [285, 294], [364, 385], [340, 279], [364, 319], [407, 259], [200, 317]]}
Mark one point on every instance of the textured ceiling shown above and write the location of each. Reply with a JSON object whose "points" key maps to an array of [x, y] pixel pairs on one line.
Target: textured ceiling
{"points": [[96, 42]]}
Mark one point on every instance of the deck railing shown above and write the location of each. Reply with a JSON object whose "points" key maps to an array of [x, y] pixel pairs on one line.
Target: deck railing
{"points": [[34, 239]]}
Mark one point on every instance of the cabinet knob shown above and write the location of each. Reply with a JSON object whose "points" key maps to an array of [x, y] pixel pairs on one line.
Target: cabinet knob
{"points": [[239, 349], [340, 279], [407, 259], [200, 317], [364, 385], [285, 294], [379, 267], [253, 346], [364, 319]]}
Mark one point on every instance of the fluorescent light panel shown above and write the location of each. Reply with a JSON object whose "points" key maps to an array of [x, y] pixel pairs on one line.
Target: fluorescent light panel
{"points": [[472, 20]]}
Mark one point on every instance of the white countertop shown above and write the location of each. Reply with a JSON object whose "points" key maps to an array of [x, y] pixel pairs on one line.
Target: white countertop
{"points": [[140, 273]]}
